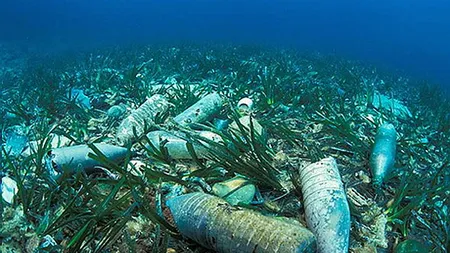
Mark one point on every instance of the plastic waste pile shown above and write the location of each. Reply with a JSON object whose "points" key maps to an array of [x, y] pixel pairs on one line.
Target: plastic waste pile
{"points": [[218, 222]]}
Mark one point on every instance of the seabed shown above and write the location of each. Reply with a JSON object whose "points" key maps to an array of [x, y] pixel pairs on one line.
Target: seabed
{"points": [[310, 106]]}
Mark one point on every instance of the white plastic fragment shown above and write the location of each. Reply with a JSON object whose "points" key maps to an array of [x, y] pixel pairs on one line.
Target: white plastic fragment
{"points": [[245, 105], [9, 189]]}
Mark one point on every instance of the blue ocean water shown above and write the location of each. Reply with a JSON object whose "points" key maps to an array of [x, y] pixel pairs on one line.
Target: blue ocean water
{"points": [[407, 36], [152, 75]]}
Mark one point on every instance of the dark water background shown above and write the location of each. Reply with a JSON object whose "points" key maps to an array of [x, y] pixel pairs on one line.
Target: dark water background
{"points": [[405, 35]]}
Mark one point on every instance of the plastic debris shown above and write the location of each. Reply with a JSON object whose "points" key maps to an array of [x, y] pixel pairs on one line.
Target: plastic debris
{"points": [[57, 141], [141, 118], [235, 190], [313, 74], [245, 122], [47, 242], [382, 158], [200, 111], [397, 107], [82, 100], [16, 140], [176, 144], [9, 189], [215, 224], [221, 124], [245, 106], [75, 158], [116, 111], [326, 207]]}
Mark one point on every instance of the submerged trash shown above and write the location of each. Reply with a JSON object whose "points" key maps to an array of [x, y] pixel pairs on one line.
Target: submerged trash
{"points": [[245, 106], [75, 158], [200, 111], [176, 146], [16, 140], [397, 107], [82, 100], [56, 142], [213, 223], [326, 208], [9, 189], [47, 242], [382, 158], [142, 117], [235, 190], [313, 74], [221, 124], [116, 111], [246, 123]]}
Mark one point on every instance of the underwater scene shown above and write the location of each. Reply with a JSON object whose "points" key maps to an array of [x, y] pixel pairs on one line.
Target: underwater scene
{"points": [[224, 126]]}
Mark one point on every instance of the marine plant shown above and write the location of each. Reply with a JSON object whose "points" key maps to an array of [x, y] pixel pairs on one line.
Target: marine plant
{"points": [[313, 106]]}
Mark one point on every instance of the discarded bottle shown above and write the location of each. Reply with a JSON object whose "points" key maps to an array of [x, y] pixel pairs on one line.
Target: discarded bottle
{"points": [[215, 224], [326, 207], [140, 118], [382, 158], [76, 158], [200, 111], [176, 145]]}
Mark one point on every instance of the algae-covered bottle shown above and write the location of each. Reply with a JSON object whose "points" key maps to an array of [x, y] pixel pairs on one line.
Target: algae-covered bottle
{"points": [[142, 117], [176, 144], [382, 158], [75, 158], [200, 111], [215, 224]]}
